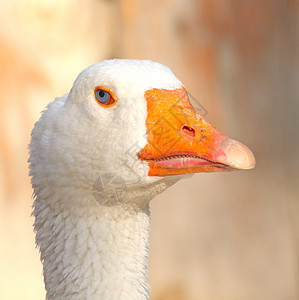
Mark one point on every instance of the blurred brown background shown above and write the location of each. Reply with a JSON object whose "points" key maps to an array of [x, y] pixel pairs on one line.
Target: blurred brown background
{"points": [[215, 236]]}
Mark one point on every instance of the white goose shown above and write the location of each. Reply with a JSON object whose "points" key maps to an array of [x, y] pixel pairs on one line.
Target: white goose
{"points": [[98, 155]]}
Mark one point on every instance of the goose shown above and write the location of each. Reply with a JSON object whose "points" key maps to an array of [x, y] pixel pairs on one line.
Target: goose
{"points": [[124, 133]]}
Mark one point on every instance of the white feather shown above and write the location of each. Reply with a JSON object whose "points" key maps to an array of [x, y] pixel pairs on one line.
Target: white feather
{"points": [[94, 243]]}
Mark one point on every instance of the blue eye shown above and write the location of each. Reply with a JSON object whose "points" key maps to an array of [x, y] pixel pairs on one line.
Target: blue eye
{"points": [[104, 97]]}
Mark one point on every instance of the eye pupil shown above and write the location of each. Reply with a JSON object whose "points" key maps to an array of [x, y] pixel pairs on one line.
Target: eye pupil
{"points": [[102, 93]]}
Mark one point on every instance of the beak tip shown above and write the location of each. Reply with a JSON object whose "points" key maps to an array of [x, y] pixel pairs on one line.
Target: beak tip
{"points": [[238, 155]]}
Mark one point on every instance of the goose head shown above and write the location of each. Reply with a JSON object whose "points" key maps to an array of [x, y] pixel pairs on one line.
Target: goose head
{"points": [[127, 124]]}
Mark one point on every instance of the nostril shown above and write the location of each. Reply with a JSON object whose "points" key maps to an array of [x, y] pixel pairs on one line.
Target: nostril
{"points": [[188, 130]]}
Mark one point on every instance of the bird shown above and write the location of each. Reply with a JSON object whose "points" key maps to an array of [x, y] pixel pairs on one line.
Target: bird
{"points": [[124, 133]]}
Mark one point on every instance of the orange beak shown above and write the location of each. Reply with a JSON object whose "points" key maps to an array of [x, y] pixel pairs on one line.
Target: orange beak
{"points": [[180, 141]]}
